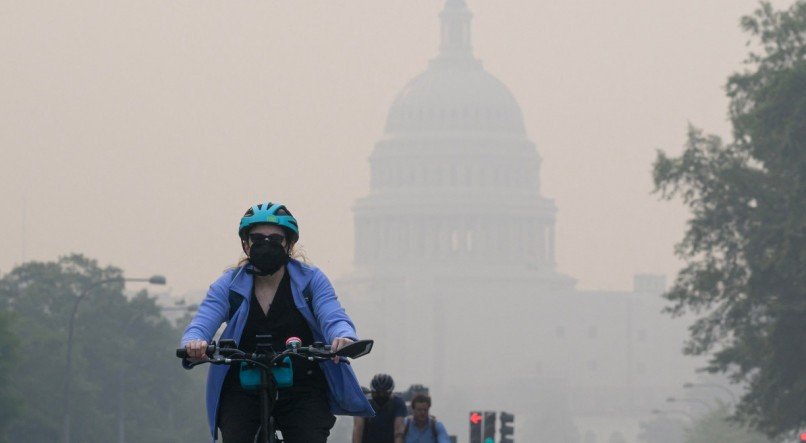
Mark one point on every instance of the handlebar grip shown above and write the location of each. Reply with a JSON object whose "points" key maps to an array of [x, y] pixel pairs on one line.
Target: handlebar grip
{"points": [[183, 353]]}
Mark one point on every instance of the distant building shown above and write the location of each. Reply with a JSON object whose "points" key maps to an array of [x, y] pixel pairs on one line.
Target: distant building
{"points": [[455, 272]]}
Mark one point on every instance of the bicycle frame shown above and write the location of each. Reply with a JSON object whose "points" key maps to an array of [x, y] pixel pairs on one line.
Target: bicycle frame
{"points": [[226, 352]]}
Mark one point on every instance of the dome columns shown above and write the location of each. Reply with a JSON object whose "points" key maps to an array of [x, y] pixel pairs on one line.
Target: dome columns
{"points": [[411, 235]]}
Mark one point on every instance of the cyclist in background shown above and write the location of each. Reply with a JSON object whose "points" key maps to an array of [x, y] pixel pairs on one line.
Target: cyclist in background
{"points": [[387, 425], [271, 293], [421, 427]]}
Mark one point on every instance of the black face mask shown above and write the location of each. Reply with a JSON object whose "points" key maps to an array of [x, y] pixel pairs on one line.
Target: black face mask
{"points": [[267, 257]]}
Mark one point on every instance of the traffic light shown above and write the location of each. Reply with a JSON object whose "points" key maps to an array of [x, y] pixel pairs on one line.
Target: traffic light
{"points": [[803, 437], [507, 428], [489, 427], [475, 426]]}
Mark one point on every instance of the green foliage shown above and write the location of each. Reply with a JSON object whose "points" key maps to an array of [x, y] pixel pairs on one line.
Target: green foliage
{"points": [[9, 403], [717, 426], [122, 358], [661, 429], [745, 245]]}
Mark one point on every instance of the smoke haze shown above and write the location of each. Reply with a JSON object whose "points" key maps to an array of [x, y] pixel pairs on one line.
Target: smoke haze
{"points": [[137, 133]]}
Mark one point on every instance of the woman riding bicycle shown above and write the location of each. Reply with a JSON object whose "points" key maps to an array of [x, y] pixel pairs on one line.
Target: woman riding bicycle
{"points": [[274, 295]]}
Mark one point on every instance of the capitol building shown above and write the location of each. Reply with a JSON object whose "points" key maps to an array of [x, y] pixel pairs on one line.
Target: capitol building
{"points": [[455, 275]]}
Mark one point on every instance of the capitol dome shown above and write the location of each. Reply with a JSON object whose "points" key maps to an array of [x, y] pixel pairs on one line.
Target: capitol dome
{"points": [[464, 98], [455, 93], [454, 146]]}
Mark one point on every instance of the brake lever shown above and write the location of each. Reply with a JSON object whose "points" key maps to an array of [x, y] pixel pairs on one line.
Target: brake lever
{"points": [[300, 356]]}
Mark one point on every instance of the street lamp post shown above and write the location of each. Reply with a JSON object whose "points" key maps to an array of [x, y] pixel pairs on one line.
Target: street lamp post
{"points": [[154, 280], [733, 398], [673, 411], [690, 400]]}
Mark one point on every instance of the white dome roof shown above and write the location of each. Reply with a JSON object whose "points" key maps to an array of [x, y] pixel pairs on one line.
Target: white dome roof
{"points": [[455, 93], [452, 96]]}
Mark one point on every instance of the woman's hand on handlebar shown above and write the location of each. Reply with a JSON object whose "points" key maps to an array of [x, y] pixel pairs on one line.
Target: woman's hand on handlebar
{"points": [[196, 350], [338, 343]]}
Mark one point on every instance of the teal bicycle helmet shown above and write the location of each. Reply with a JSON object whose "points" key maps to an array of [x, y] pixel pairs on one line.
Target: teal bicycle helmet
{"points": [[269, 214]]}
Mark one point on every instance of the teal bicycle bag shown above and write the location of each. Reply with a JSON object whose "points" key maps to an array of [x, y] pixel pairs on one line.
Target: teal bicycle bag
{"points": [[283, 375]]}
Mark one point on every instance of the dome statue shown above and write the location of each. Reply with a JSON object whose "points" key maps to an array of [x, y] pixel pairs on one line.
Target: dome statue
{"points": [[455, 93]]}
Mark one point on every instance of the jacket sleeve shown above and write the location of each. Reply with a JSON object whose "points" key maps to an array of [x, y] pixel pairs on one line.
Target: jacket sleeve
{"points": [[333, 320], [211, 314]]}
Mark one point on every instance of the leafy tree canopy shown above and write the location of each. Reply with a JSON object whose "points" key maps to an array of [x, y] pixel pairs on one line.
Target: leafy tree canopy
{"points": [[124, 370], [9, 402], [717, 426], [745, 245], [662, 429]]}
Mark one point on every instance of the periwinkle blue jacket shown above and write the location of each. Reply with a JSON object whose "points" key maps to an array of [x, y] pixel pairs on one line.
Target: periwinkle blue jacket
{"points": [[344, 392]]}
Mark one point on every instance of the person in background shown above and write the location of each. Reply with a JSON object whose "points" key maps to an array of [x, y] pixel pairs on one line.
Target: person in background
{"points": [[421, 427], [390, 410]]}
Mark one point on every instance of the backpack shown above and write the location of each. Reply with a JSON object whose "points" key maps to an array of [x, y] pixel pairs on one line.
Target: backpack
{"points": [[432, 421]]}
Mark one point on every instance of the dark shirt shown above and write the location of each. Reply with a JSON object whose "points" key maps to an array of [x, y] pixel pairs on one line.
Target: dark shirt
{"points": [[381, 428], [282, 321]]}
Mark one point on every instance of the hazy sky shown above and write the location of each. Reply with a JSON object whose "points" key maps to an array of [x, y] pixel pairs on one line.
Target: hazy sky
{"points": [[138, 132]]}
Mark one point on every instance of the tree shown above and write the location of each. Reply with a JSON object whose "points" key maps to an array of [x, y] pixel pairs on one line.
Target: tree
{"points": [[718, 426], [9, 403], [122, 356], [661, 429], [745, 245]]}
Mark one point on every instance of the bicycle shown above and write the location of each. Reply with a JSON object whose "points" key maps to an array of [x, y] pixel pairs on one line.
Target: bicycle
{"points": [[266, 361]]}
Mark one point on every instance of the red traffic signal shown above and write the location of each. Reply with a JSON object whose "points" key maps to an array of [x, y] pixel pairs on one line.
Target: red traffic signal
{"points": [[803, 437], [475, 426]]}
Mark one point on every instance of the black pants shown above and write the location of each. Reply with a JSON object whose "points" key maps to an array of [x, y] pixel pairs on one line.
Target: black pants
{"points": [[302, 414]]}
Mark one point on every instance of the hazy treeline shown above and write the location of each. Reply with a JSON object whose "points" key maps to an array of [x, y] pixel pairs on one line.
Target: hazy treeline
{"points": [[745, 247], [123, 360]]}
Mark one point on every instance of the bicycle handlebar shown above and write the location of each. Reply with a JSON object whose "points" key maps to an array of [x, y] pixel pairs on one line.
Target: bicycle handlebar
{"points": [[316, 352], [183, 353]]}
